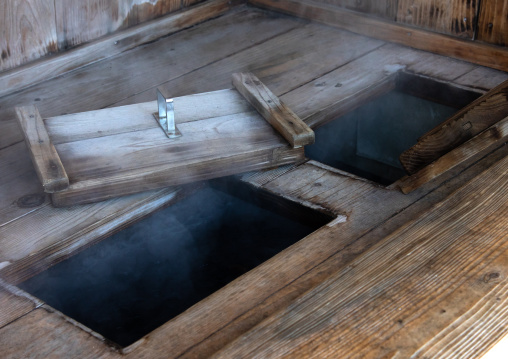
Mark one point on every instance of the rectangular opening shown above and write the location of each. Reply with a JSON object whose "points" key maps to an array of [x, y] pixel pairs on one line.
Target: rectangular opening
{"points": [[368, 141], [136, 280]]}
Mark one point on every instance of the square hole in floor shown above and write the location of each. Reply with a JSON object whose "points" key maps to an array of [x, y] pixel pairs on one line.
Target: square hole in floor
{"points": [[128, 285], [368, 141]]}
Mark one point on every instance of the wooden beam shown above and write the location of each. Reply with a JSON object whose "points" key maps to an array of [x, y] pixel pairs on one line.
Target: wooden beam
{"points": [[489, 139], [464, 125], [46, 161], [53, 66], [482, 54], [273, 110]]}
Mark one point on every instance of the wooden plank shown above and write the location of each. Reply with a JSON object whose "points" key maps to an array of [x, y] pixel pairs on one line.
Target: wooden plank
{"points": [[491, 138], [46, 161], [14, 303], [25, 76], [454, 18], [492, 24], [28, 32], [47, 333], [465, 124], [130, 162], [285, 121], [478, 53], [80, 21], [424, 278], [482, 78]]}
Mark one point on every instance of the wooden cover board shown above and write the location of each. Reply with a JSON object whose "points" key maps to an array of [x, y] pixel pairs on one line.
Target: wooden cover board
{"points": [[122, 150]]}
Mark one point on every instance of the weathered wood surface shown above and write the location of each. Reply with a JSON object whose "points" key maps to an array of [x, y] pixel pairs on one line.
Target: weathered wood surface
{"points": [[14, 303], [281, 117], [383, 8], [492, 24], [482, 143], [46, 161], [448, 17], [31, 74], [39, 335], [28, 31], [465, 124], [295, 74], [124, 162], [407, 293], [485, 55]]}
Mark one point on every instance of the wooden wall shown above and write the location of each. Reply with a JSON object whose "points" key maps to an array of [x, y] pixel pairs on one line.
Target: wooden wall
{"points": [[33, 28]]}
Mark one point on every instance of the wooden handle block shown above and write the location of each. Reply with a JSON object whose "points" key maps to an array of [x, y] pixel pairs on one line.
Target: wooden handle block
{"points": [[47, 163], [486, 141], [464, 125], [285, 121]]}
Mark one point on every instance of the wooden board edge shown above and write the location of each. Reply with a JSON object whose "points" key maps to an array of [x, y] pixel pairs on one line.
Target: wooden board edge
{"points": [[273, 110], [45, 158], [489, 139], [100, 190], [479, 53], [22, 77], [457, 129]]}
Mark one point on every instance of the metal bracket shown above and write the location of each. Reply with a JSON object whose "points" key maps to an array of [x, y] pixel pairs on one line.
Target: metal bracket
{"points": [[166, 116]]}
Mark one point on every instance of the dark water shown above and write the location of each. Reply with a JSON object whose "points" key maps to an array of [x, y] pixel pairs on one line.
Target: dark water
{"points": [[131, 283], [368, 141]]}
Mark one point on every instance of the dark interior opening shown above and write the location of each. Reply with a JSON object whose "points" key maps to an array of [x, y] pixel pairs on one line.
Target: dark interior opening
{"points": [[368, 141], [136, 280]]}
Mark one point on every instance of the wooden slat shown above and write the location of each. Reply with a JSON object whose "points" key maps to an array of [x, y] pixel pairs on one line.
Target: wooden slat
{"points": [[491, 138], [47, 163], [383, 8], [448, 17], [14, 303], [45, 333], [418, 284], [492, 24], [465, 124], [478, 53], [285, 121], [25, 76], [28, 32]]}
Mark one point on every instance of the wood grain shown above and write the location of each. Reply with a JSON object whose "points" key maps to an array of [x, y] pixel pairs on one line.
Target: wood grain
{"points": [[465, 124], [14, 303], [383, 8], [448, 17], [28, 31], [475, 52], [430, 271], [492, 24], [285, 121], [46, 161], [129, 162], [31, 74], [487, 140]]}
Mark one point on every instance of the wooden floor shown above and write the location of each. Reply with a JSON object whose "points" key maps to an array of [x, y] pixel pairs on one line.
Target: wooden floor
{"points": [[394, 276]]}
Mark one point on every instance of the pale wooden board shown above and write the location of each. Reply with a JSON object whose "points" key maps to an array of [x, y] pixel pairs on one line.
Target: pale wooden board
{"points": [[383, 8], [482, 78], [28, 31], [22, 77], [130, 162], [448, 17], [45, 334], [81, 21], [453, 253]]}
